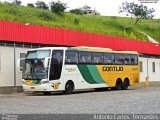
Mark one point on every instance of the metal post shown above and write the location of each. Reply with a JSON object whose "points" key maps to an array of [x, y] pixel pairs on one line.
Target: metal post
{"points": [[14, 64], [147, 78]]}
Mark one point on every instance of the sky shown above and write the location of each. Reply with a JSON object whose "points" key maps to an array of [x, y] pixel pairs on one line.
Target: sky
{"points": [[105, 7]]}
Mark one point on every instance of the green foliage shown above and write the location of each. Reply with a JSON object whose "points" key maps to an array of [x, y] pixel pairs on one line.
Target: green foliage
{"points": [[139, 11], [45, 15], [58, 7], [121, 27], [77, 11], [76, 21], [30, 5], [41, 5], [17, 2], [12, 10]]}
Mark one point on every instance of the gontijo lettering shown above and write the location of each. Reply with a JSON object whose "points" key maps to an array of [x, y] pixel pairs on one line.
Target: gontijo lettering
{"points": [[112, 68]]}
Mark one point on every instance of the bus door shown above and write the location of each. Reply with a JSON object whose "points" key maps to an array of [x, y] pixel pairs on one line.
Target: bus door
{"points": [[56, 65]]}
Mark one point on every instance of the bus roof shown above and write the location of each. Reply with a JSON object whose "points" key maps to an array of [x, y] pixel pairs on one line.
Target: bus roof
{"points": [[98, 49], [85, 48], [51, 48]]}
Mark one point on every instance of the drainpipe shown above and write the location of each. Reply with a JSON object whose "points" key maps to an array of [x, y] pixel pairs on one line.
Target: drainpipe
{"points": [[147, 78], [14, 64]]}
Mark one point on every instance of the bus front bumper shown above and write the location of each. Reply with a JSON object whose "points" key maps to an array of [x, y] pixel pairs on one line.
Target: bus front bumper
{"points": [[43, 87]]}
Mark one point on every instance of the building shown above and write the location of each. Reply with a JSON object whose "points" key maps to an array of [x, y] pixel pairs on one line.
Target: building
{"points": [[17, 38], [91, 12]]}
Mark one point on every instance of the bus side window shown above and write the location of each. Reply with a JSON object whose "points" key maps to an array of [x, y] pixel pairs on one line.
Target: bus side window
{"points": [[119, 59], [71, 57], [84, 57], [127, 60], [108, 58], [134, 59], [97, 58]]}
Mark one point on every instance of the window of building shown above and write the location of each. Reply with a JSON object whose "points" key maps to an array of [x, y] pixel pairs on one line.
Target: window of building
{"points": [[97, 58], [141, 66], [153, 67], [71, 57], [84, 57], [22, 62]]}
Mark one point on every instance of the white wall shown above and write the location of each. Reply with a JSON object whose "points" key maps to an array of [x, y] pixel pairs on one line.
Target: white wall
{"points": [[18, 72], [7, 66], [153, 76]]}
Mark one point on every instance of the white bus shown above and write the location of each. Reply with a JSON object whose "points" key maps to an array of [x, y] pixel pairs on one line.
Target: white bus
{"points": [[70, 68]]}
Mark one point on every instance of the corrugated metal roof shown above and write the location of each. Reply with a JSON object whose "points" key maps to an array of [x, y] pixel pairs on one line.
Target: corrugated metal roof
{"points": [[17, 32]]}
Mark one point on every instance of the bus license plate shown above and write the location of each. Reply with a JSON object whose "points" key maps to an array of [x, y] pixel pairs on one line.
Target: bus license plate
{"points": [[32, 87]]}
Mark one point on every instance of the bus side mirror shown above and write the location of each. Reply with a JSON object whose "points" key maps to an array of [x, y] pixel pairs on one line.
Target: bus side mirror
{"points": [[46, 62]]}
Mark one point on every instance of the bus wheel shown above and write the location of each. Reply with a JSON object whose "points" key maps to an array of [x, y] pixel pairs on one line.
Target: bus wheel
{"points": [[69, 87], [125, 84], [118, 84]]}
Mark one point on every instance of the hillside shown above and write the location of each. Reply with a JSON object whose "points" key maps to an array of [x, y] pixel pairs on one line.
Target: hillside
{"points": [[114, 26]]}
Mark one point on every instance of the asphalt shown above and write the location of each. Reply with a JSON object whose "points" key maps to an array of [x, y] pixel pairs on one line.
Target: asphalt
{"points": [[136, 100]]}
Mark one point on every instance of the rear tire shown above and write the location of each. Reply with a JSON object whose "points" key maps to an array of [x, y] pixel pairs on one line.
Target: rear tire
{"points": [[125, 85], [69, 87], [119, 84]]}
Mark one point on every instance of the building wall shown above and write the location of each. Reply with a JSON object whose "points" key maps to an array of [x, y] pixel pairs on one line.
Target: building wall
{"points": [[7, 66], [148, 69]]}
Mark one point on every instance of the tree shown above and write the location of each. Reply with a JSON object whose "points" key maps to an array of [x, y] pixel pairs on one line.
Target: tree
{"points": [[41, 5], [139, 11], [30, 5], [86, 7], [77, 11], [58, 7], [17, 2]]}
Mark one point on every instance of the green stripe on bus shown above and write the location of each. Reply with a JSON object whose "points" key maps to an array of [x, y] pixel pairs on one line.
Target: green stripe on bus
{"points": [[35, 81], [95, 73], [86, 74]]}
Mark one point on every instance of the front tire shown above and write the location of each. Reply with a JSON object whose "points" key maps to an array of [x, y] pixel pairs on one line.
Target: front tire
{"points": [[69, 87]]}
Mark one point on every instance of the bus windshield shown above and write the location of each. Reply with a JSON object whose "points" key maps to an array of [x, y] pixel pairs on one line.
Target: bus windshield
{"points": [[34, 68]]}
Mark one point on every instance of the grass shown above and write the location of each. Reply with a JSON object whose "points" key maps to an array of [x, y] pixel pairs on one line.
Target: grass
{"points": [[119, 26]]}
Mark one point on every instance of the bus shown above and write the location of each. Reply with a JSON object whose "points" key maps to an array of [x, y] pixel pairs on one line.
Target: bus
{"points": [[67, 69]]}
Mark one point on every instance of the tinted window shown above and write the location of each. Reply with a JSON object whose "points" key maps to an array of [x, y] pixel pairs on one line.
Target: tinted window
{"points": [[153, 66], [119, 59], [134, 59], [38, 54], [84, 57], [97, 58], [141, 66], [108, 58], [71, 57], [56, 64], [22, 62], [127, 59]]}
